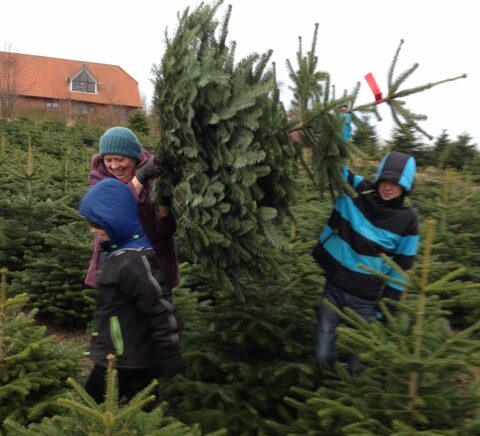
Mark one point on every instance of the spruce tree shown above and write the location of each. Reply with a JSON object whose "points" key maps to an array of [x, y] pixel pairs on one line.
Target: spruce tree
{"points": [[440, 146], [138, 122], [46, 253], [460, 153], [318, 125], [403, 117], [318, 121], [406, 140], [454, 201], [82, 415], [366, 139], [33, 366], [419, 376], [26, 202], [54, 278]]}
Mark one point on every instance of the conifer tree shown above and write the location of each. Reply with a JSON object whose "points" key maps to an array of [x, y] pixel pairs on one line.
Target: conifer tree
{"points": [[224, 150], [440, 146], [54, 278], [85, 416], [318, 121], [393, 97], [26, 204], [418, 377], [33, 366], [454, 201], [366, 139], [138, 122], [406, 140], [459, 153], [317, 107], [46, 252], [242, 357]]}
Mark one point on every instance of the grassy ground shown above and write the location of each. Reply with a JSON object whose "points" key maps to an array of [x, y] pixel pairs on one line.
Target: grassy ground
{"points": [[76, 338]]}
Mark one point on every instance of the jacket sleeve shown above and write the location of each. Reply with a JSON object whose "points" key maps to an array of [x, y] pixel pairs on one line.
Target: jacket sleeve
{"points": [[404, 257], [164, 227], [354, 180], [144, 283]]}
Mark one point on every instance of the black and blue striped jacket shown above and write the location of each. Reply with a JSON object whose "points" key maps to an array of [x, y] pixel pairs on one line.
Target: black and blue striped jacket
{"points": [[360, 229]]}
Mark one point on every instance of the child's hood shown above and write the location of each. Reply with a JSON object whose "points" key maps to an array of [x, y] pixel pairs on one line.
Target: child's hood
{"points": [[111, 205], [399, 168]]}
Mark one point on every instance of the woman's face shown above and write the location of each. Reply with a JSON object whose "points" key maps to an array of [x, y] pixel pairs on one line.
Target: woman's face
{"points": [[121, 167], [389, 190]]}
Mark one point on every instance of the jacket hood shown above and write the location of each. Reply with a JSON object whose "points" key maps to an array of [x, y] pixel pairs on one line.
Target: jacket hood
{"points": [[111, 205], [399, 168]]}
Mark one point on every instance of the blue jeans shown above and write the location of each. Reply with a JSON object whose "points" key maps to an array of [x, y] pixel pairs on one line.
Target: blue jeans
{"points": [[328, 321]]}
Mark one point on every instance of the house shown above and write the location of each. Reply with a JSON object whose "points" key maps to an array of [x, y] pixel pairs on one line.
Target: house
{"points": [[70, 88]]}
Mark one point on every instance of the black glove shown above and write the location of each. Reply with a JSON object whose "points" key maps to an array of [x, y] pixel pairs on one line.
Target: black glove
{"points": [[165, 196], [148, 171], [165, 189]]}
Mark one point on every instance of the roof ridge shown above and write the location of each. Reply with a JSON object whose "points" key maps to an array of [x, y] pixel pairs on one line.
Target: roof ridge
{"points": [[61, 59]]}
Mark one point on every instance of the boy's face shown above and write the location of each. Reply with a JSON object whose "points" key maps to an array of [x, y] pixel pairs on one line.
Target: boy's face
{"points": [[99, 233], [389, 190]]}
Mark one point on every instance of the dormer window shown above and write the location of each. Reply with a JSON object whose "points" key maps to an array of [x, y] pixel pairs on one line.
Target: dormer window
{"points": [[84, 82]]}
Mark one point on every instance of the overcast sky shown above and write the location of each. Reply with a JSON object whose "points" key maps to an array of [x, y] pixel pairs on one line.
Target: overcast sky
{"points": [[356, 37]]}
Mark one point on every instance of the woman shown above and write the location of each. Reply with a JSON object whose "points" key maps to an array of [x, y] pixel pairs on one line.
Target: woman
{"points": [[122, 156]]}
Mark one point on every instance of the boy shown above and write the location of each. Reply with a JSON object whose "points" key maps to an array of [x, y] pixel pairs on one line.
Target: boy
{"points": [[134, 316], [358, 231]]}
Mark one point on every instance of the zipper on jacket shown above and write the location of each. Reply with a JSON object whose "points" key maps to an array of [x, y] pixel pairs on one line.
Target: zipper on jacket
{"points": [[116, 335]]}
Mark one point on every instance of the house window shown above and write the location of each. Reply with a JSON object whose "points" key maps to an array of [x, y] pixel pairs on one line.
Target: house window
{"points": [[84, 83], [51, 105], [82, 108]]}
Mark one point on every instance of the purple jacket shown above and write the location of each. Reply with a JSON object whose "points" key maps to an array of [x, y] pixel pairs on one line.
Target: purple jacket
{"points": [[160, 230]]}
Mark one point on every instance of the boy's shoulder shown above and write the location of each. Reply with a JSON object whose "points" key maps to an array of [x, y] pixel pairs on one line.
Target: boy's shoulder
{"points": [[126, 263]]}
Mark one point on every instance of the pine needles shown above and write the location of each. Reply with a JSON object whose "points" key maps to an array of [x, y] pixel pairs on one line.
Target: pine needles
{"points": [[223, 138]]}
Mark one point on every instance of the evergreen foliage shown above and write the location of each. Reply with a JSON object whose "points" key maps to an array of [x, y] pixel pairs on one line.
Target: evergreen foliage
{"points": [[224, 149], [46, 253], [33, 366], [401, 115], [319, 121], [25, 197], [54, 278], [138, 122], [439, 148], [419, 375], [366, 139], [230, 163], [85, 416], [460, 153], [454, 201], [242, 357], [320, 127], [406, 140]]}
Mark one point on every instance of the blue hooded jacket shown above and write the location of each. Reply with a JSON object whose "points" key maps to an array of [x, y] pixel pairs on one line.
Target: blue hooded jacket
{"points": [[134, 317], [363, 228], [111, 206]]}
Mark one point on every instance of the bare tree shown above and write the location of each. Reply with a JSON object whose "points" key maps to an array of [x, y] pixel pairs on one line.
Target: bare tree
{"points": [[9, 81]]}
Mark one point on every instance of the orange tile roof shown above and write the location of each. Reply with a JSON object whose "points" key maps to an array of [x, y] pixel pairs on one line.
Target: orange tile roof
{"points": [[47, 77]]}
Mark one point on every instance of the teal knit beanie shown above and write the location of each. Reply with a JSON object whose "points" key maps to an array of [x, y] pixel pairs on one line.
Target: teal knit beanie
{"points": [[120, 141]]}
